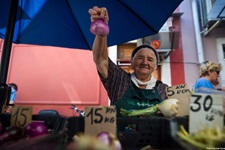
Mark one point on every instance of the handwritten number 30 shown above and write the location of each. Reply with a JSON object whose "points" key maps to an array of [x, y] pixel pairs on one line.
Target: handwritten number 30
{"points": [[208, 99]]}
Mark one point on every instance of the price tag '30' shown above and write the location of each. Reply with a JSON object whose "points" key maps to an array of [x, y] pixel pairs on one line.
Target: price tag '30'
{"points": [[206, 110]]}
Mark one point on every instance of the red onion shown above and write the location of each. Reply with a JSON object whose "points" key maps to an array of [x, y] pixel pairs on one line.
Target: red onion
{"points": [[109, 140], [36, 129], [104, 137], [99, 27]]}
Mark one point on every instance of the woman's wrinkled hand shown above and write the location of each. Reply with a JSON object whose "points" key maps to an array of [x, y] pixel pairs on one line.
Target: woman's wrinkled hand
{"points": [[98, 13]]}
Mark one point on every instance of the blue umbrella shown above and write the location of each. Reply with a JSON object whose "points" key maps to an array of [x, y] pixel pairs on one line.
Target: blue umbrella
{"points": [[66, 23], [47, 22]]}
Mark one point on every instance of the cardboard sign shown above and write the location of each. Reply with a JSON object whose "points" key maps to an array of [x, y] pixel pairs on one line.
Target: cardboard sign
{"points": [[21, 116], [183, 94], [99, 119], [206, 110]]}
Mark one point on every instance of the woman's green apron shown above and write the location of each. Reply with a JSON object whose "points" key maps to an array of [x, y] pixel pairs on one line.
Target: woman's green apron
{"points": [[136, 98]]}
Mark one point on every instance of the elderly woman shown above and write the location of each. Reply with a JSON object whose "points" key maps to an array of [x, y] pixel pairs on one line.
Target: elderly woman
{"points": [[209, 73], [136, 91]]}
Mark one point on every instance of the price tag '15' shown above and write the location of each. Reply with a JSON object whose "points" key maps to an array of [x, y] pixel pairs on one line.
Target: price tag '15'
{"points": [[206, 110], [21, 116], [99, 119]]}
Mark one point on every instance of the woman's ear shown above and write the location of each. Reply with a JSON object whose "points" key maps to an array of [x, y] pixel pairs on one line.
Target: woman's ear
{"points": [[209, 71]]}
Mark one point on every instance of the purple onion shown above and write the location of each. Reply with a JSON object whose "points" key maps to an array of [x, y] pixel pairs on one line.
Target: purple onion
{"points": [[104, 137], [109, 140], [99, 27], [34, 129]]}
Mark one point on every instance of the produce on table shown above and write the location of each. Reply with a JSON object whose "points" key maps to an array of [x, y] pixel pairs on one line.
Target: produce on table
{"points": [[168, 108], [13, 133], [36, 128], [103, 141], [99, 27], [203, 139], [86, 142]]}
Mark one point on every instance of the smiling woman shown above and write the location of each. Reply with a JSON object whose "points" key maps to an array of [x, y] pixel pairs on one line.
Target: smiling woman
{"points": [[138, 90]]}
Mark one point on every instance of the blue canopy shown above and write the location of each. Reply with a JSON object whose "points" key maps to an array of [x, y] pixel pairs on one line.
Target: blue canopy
{"points": [[65, 23]]}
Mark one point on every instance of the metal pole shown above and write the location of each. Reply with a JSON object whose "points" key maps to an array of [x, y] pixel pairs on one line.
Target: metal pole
{"points": [[8, 41], [4, 89]]}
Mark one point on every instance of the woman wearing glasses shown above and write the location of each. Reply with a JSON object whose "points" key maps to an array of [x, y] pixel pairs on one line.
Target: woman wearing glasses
{"points": [[209, 74]]}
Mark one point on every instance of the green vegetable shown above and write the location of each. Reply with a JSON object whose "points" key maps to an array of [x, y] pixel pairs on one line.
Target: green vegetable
{"points": [[146, 112], [203, 139], [191, 141], [168, 108]]}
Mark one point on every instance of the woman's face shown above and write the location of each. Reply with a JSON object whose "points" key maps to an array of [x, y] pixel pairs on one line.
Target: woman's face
{"points": [[144, 62], [214, 75]]}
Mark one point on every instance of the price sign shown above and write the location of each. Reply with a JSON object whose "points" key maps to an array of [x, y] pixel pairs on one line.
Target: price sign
{"points": [[206, 110], [21, 116], [99, 119], [183, 94]]}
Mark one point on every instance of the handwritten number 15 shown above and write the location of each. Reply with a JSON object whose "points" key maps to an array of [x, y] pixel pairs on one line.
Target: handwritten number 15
{"points": [[20, 113], [93, 113]]}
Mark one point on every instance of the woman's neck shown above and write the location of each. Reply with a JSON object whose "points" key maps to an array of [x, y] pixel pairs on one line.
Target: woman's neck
{"points": [[207, 78], [143, 78]]}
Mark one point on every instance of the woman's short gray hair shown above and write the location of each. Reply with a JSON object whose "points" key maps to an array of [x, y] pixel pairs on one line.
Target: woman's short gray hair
{"points": [[209, 65]]}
